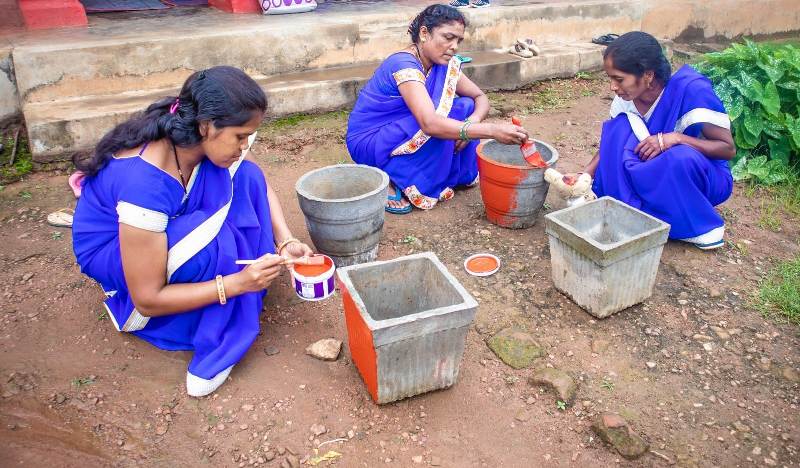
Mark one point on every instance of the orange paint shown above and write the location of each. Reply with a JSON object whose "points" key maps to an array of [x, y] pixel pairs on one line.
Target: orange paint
{"points": [[482, 264], [313, 270], [359, 339]]}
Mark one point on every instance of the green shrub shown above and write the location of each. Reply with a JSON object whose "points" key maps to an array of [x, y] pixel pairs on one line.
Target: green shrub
{"points": [[760, 87]]}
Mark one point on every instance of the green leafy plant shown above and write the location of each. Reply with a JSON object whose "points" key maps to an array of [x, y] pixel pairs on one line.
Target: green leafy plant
{"points": [[81, 381], [562, 406], [408, 239], [760, 87], [607, 385]]}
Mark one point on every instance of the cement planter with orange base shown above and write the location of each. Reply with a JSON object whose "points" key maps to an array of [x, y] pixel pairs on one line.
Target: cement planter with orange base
{"points": [[407, 321], [512, 190]]}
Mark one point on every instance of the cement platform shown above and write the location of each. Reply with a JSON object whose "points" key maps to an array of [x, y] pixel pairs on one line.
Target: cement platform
{"points": [[72, 85]]}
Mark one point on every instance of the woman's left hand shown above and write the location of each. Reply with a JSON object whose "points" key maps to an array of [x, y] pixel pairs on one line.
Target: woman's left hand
{"points": [[296, 250], [649, 148]]}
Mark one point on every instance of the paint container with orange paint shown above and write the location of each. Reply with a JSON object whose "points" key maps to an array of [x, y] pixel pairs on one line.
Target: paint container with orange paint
{"points": [[482, 264], [314, 282], [407, 321], [512, 190]]}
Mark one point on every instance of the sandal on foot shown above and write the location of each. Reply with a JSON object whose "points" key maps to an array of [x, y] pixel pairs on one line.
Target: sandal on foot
{"points": [[605, 39], [528, 43], [520, 51], [398, 196], [61, 218]]}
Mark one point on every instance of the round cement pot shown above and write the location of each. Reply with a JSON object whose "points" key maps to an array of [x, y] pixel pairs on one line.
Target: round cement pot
{"points": [[513, 191], [343, 206]]}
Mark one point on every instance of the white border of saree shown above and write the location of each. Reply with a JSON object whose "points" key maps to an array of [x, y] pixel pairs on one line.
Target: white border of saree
{"points": [[443, 109], [193, 243]]}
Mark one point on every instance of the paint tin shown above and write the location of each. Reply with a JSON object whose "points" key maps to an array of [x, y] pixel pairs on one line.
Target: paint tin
{"points": [[314, 282], [482, 264]]}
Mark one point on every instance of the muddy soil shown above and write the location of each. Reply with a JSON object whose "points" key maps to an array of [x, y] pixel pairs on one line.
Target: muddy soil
{"points": [[695, 369]]}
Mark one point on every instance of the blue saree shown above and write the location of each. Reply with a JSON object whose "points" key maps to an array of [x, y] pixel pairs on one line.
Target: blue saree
{"points": [[223, 216], [680, 186], [383, 133]]}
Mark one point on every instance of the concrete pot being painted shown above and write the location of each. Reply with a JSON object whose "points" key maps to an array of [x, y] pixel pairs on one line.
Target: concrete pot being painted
{"points": [[512, 190], [343, 206], [407, 322]]}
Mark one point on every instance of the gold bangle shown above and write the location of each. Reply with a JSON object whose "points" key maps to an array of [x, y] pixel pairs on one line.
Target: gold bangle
{"points": [[661, 141], [283, 244], [221, 290]]}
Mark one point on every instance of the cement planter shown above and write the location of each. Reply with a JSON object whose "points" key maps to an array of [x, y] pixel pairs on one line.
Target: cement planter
{"points": [[343, 207], [604, 254], [512, 190], [407, 321]]}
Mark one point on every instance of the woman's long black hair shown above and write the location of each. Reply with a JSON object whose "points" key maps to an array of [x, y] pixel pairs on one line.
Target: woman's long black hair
{"points": [[637, 52], [223, 95], [433, 17]]}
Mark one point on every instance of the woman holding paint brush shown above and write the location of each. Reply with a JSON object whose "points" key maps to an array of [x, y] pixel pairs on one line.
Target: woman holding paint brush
{"points": [[168, 205], [419, 118], [666, 148]]}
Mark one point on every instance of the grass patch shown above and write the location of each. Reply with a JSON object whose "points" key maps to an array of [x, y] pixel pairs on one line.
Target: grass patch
{"points": [[82, 381], [310, 120], [779, 294], [23, 161]]}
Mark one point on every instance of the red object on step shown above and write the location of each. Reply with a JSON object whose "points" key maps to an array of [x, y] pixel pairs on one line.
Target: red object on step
{"points": [[529, 151], [46, 14], [236, 6]]}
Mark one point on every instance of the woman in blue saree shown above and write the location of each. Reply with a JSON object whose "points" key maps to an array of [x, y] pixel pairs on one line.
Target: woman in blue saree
{"points": [[419, 118], [666, 148], [168, 205]]}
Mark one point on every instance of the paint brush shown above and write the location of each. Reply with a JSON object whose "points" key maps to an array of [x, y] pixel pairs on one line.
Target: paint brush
{"points": [[529, 150], [313, 260]]}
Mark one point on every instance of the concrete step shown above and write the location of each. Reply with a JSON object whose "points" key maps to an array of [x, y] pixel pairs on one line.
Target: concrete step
{"points": [[66, 78], [58, 128]]}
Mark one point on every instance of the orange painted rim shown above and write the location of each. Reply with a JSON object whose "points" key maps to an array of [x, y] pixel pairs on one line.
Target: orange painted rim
{"points": [[482, 264], [489, 160]]}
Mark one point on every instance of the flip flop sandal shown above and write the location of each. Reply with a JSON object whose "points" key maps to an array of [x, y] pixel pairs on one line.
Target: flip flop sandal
{"points": [[520, 51], [605, 39], [398, 195], [529, 44], [61, 218]]}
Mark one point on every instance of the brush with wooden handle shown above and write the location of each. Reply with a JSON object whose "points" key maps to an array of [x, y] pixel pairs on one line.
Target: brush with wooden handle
{"points": [[312, 260]]}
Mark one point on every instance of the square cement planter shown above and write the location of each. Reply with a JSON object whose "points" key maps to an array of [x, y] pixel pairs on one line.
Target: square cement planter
{"points": [[605, 254], [407, 321]]}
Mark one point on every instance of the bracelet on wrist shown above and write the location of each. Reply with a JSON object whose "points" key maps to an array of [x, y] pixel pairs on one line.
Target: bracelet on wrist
{"points": [[283, 244], [221, 290]]}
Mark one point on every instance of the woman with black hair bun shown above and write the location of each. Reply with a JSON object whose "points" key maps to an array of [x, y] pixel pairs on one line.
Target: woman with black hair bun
{"points": [[419, 118], [168, 205], [666, 148]]}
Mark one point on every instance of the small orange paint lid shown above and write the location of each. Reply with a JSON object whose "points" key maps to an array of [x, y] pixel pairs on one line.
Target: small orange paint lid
{"points": [[482, 264]]}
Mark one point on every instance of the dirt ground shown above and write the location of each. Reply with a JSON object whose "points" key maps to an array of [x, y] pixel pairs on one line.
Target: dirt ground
{"points": [[721, 387]]}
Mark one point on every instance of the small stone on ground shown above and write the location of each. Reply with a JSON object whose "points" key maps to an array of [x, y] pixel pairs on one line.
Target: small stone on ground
{"points": [[562, 383], [515, 347], [614, 430], [326, 349]]}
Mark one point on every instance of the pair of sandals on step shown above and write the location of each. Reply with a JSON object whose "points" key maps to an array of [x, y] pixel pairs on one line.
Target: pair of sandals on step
{"points": [[525, 48]]}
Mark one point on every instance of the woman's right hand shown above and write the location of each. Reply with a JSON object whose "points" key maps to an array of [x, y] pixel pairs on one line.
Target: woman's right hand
{"points": [[509, 134], [258, 276]]}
